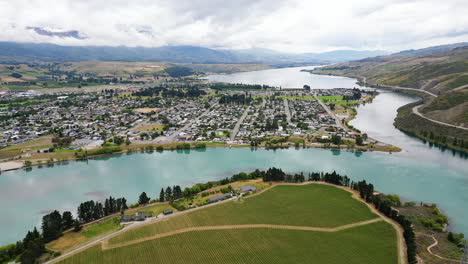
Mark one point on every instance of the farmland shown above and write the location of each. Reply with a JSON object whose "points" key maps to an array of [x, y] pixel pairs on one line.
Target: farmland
{"points": [[301, 223], [258, 245], [275, 206]]}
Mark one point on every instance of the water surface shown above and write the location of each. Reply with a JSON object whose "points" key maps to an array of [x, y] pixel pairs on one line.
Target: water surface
{"points": [[286, 78]]}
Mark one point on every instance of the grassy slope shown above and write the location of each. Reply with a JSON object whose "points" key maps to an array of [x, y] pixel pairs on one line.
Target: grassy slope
{"points": [[303, 205], [366, 244], [438, 72], [414, 124], [89, 232]]}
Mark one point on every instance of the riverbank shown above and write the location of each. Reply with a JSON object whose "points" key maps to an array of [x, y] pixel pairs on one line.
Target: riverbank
{"points": [[49, 159]]}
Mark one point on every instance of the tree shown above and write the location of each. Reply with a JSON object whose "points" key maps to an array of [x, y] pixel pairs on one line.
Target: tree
{"points": [[336, 139], [16, 75], [27, 163], [143, 199], [168, 194], [306, 87], [52, 226], [67, 220], [161, 195], [359, 141], [76, 226]]}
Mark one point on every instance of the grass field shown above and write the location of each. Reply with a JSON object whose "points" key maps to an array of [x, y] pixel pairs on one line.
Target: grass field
{"points": [[89, 232], [331, 97], [373, 243], [148, 127], [306, 205], [296, 97]]}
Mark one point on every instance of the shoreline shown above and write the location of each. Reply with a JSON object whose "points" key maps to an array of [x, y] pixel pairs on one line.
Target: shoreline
{"points": [[382, 149]]}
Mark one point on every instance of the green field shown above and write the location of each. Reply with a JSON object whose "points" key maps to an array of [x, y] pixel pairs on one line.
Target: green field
{"points": [[305, 205], [373, 243], [296, 97], [102, 227], [311, 205], [331, 97]]}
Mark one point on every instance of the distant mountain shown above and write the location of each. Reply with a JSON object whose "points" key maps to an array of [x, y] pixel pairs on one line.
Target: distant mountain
{"points": [[21, 52]]}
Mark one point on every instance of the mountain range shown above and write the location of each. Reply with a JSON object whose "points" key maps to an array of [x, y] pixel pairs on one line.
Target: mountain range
{"points": [[11, 52]]}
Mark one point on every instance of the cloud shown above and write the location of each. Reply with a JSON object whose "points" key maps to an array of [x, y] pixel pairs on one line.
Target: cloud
{"points": [[286, 25], [61, 34]]}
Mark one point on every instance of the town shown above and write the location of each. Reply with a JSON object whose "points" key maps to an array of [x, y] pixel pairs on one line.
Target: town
{"points": [[156, 115]]}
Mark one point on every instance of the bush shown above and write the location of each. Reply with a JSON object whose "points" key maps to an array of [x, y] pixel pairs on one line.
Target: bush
{"points": [[431, 223], [200, 145], [456, 238], [104, 150], [183, 146], [177, 205]]}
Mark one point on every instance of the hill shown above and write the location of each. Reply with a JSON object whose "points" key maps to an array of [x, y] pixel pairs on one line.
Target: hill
{"points": [[13, 52], [435, 69]]}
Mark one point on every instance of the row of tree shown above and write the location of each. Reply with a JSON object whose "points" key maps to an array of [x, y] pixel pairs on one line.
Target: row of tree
{"points": [[171, 194], [91, 210]]}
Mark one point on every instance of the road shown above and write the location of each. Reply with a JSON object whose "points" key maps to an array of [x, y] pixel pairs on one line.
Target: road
{"points": [[287, 111], [364, 80], [337, 120], [416, 111], [236, 128], [416, 108], [130, 227]]}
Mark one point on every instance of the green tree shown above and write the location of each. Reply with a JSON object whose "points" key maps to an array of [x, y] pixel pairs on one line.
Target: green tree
{"points": [[336, 139], [67, 220], [76, 226], [161, 195], [359, 141], [143, 199], [27, 163], [168, 193], [52, 226]]}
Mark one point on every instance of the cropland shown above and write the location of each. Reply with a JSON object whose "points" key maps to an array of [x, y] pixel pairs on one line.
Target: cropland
{"points": [[285, 223]]}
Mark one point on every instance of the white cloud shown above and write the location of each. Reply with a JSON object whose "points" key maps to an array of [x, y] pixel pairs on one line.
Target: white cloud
{"points": [[286, 25]]}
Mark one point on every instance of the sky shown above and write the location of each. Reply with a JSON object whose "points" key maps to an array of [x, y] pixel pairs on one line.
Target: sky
{"points": [[282, 25]]}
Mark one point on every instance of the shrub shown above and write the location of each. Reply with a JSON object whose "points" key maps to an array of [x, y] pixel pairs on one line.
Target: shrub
{"points": [[183, 146]]}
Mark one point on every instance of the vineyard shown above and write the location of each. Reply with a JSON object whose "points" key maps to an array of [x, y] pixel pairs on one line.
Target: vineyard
{"points": [[303, 206], [256, 246]]}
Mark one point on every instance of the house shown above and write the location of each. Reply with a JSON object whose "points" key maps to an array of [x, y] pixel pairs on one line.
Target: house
{"points": [[247, 188], [219, 197], [140, 216], [166, 212]]}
